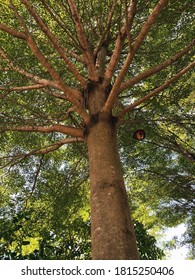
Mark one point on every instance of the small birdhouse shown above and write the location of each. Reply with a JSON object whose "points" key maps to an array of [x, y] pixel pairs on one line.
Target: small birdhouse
{"points": [[139, 134]]}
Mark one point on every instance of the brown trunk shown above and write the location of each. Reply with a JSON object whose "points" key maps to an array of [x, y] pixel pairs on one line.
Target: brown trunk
{"points": [[112, 230]]}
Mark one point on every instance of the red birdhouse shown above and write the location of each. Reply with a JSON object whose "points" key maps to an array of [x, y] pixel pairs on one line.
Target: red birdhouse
{"points": [[139, 134]]}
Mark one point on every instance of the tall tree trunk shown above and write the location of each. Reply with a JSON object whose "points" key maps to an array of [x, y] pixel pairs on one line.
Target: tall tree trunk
{"points": [[112, 230]]}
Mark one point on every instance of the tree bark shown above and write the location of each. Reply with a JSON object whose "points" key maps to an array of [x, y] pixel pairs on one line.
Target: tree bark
{"points": [[112, 230]]}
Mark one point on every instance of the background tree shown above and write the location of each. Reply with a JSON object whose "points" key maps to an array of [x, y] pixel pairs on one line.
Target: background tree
{"points": [[78, 74]]}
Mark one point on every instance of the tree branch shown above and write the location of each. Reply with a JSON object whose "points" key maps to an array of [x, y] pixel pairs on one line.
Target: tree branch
{"points": [[129, 20], [42, 151], [107, 29], [148, 24], [25, 73], [83, 41], [22, 88], [145, 29], [156, 68], [68, 130], [57, 145], [46, 64], [36, 50], [171, 143], [55, 43], [157, 90], [54, 74], [55, 15], [71, 94], [13, 32], [118, 46]]}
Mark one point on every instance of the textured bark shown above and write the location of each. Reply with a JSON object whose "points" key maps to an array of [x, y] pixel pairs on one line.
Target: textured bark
{"points": [[112, 230]]}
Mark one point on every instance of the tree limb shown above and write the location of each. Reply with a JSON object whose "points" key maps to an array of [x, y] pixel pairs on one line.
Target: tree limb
{"points": [[60, 23], [12, 160], [144, 31], [71, 94], [57, 145], [129, 20], [172, 144], [107, 30], [55, 43], [46, 64], [83, 41], [157, 90], [148, 24], [156, 69], [22, 88], [25, 73], [118, 46], [72, 131], [13, 32]]}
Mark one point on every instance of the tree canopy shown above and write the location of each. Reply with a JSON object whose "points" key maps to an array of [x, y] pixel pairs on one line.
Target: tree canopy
{"points": [[52, 55]]}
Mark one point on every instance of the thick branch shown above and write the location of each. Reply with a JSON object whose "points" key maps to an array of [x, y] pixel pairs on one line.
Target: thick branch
{"points": [[156, 69], [37, 52], [71, 96], [157, 90], [129, 20], [57, 145], [118, 46], [55, 75], [75, 132], [22, 88], [13, 32], [148, 24], [25, 73], [145, 29], [115, 89], [107, 29], [83, 41], [55, 43]]}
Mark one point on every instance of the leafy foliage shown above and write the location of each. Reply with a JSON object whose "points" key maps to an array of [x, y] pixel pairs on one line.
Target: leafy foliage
{"points": [[52, 220]]}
